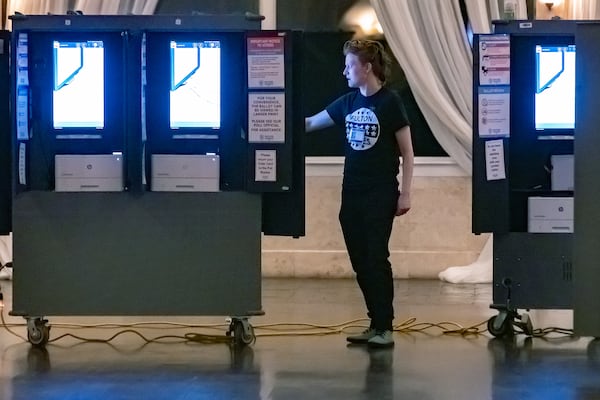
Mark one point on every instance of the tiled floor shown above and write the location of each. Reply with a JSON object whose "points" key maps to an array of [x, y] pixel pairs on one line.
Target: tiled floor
{"points": [[424, 365]]}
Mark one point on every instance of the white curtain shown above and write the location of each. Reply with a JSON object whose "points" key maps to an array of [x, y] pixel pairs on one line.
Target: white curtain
{"points": [[431, 45], [5, 249], [479, 16], [583, 9], [35, 7], [88, 7], [108, 7], [482, 13], [5, 257]]}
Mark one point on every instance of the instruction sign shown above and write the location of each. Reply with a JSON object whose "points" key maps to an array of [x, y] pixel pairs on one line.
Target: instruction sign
{"points": [[266, 114], [266, 63], [494, 111], [494, 160], [494, 60], [265, 169], [22, 87]]}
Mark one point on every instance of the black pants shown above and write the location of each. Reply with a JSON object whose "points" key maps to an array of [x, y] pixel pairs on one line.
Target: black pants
{"points": [[366, 218]]}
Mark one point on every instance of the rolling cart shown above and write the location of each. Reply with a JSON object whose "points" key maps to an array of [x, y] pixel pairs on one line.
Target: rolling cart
{"points": [[161, 254]]}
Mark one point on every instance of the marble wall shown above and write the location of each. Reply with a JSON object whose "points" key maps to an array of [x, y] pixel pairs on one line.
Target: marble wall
{"points": [[434, 235]]}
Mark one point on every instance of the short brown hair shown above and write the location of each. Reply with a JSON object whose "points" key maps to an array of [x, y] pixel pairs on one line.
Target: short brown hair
{"points": [[370, 51]]}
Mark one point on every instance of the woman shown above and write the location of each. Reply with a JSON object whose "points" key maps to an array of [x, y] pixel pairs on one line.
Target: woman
{"points": [[377, 133]]}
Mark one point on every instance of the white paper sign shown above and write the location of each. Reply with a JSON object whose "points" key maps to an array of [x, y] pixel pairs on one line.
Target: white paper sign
{"points": [[494, 60], [22, 76], [22, 60], [266, 63], [21, 118], [494, 160], [266, 114], [494, 111], [21, 163], [265, 168], [22, 88]]}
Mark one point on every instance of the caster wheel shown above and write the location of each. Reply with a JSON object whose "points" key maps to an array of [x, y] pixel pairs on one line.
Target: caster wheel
{"points": [[243, 336], [38, 335], [504, 329]]}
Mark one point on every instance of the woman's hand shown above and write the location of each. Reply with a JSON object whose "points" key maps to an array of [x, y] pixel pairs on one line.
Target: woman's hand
{"points": [[403, 204]]}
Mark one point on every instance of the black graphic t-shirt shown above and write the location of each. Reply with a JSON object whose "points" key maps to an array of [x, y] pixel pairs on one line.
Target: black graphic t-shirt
{"points": [[372, 153]]}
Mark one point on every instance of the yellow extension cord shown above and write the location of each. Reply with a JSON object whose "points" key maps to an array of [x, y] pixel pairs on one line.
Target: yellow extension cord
{"points": [[410, 325]]}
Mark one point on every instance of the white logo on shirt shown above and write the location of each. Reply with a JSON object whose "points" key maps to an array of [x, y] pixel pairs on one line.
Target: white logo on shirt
{"points": [[362, 129]]}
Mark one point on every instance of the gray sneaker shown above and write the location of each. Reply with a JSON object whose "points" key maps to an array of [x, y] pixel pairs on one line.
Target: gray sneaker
{"points": [[362, 338], [381, 339]]}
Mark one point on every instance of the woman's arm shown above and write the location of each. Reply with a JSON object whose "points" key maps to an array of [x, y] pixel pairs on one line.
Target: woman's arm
{"points": [[404, 140], [318, 121]]}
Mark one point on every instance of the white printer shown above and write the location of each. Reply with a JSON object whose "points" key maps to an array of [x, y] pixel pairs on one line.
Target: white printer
{"points": [[185, 173], [88, 172], [550, 214]]}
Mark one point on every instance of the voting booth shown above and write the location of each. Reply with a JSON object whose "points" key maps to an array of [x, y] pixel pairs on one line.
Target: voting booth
{"points": [[149, 155], [535, 183]]}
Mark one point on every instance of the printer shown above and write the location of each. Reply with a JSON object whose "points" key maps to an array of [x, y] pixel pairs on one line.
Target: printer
{"points": [[185, 173], [88, 172], [550, 214]]}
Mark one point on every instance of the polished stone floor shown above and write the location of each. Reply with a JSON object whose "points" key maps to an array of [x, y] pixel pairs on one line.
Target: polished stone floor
{"points": [[422, 365]]}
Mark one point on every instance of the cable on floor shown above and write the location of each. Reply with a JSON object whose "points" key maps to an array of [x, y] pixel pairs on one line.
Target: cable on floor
{"points": [[552, 330], [409, 325], [164, 339]]}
